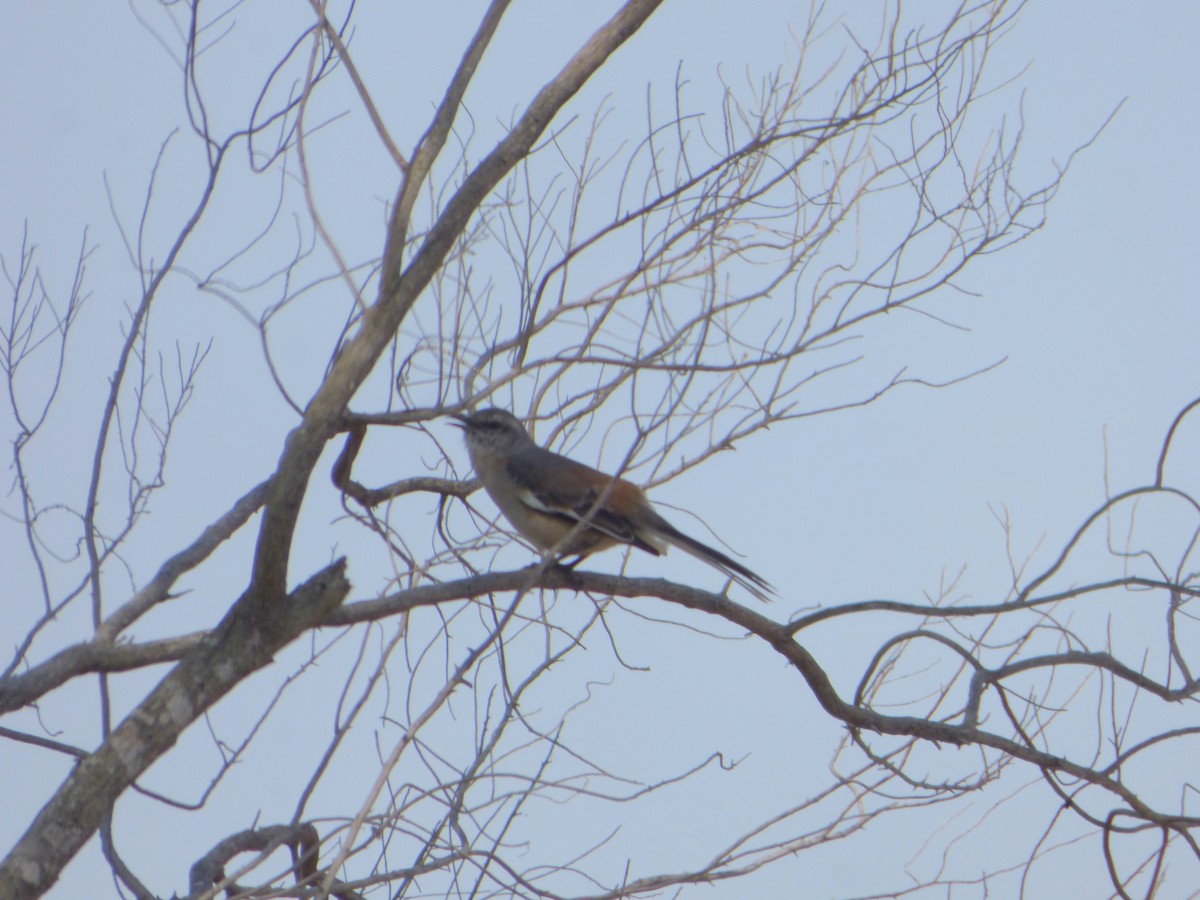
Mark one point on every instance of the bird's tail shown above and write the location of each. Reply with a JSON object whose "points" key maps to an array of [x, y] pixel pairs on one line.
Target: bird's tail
{"points": [[731, 568]]}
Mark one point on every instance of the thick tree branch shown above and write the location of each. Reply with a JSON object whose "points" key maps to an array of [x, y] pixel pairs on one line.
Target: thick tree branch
{"points": [[242, 644], [400, 289]]}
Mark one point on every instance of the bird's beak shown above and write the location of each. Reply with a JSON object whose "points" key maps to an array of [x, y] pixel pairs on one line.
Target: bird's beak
{"points": [[461, 420]]}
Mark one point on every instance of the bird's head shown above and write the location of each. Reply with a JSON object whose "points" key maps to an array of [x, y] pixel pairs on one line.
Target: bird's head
{"points": [[492, 430]]}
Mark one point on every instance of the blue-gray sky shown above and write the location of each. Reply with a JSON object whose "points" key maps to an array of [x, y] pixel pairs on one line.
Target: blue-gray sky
{"points": [[1095, 315]]}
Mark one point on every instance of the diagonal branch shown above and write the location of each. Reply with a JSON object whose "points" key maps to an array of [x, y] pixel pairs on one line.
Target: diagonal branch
{"points": [[242, 644], [400, 288]]}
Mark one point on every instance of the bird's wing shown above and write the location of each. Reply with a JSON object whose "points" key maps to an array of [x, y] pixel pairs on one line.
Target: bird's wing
{"points": [[558, 486]]}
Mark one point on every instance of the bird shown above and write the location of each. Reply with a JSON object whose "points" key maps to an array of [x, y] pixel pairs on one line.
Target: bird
{"points": [[570, 509]]}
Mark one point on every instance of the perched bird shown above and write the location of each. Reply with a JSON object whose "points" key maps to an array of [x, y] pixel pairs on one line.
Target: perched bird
{"points": [[574, 510]]}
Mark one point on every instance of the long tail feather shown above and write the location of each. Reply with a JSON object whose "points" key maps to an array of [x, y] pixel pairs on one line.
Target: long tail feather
{"points": [[731, 568]]}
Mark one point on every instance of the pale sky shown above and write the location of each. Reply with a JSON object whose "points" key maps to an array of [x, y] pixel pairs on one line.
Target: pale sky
{"points": [[1095, 315]]}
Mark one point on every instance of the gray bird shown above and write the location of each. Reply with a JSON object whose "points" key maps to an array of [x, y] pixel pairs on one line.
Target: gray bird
{"points": [[572, 509]]}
